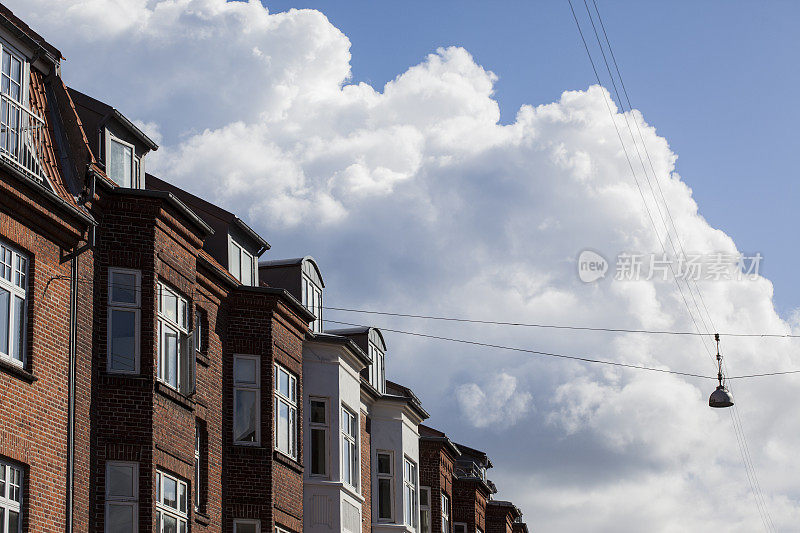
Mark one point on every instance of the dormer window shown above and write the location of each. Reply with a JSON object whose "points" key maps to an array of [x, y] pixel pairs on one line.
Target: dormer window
{"points": [[377, 370], [312, 300], [121, 163], [242, 264], [12, 72]]}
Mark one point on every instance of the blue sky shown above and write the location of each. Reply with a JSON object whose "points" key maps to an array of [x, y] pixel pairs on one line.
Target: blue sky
{"points": [[711, 76]]}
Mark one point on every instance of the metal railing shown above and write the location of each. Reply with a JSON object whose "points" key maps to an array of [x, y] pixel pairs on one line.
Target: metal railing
{"points": [[21, 138]]}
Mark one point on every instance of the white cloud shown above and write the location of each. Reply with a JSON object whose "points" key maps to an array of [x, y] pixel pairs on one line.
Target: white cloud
{"points": [[499, 402], [414, 198]]}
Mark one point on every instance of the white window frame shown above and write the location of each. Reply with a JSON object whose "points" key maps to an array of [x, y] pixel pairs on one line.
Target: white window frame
{"points": [[446, 511], [456, 525], [410, 496], [7, 504], [279, 529], [425, 525], [388, 476], [16, 284], [291, 402], [350, 443], [312, 300], [162, 509], [123, 501], [247, 386], [377, 369], [185, 357], [135, 308], [246, 522], [135, 166], [200, 321], [243, 255], [24, 71], [325, 428], [197, 466]]}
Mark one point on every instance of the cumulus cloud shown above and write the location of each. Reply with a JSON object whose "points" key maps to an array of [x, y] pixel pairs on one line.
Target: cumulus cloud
{"points": [[413, 197], [499, 402]]}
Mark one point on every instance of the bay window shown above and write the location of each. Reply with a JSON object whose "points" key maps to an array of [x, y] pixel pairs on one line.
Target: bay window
{"points": [[171, 504], [122, 497], [13, 304], [285, 412], [176, 357], [246, 399], [318, 426], [10, 498], [350, 448], [410, 491], [385, 471], [124, 316]]}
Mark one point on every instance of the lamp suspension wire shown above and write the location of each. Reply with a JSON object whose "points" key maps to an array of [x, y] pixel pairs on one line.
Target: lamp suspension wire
{"points": [[744, 450]]}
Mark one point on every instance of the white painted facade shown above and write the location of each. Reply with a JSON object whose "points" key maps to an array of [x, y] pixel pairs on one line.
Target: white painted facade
{"points": [[331, 367]]}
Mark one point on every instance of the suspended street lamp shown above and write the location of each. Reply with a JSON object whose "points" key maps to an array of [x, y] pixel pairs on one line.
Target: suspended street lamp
{"points": [[721, 397]]}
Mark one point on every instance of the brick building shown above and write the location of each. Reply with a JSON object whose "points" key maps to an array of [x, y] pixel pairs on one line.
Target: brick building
{"points": [[155, 376]]}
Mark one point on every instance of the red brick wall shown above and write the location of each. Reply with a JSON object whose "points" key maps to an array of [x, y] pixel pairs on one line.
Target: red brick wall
{"points": [[469, 505], [436, 472], [498, 519]]}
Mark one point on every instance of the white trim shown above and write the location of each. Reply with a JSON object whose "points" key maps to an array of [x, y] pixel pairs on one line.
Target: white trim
{"points": [[15, 291], [319, 426], [291, 403], [163, 509], [7, 504], [410, 486], [109, 138], [255, 386], [353, 469], [185, 356], [390, 477]]}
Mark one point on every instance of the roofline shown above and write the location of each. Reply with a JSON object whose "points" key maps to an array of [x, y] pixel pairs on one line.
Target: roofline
{"points": [[503, 503], [171, 199], [242, 225], [292, 261], [444, 440], [283, 293], [142, 136], [414, 406], [344, 341], [52, 54]]}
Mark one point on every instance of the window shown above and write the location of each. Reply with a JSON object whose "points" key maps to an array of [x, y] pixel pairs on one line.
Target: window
{"points": [[121, 162], [242, 264], [199, 329], [318, 425], [424, 510], [445, 513], [350, 447], [312, 300], [385, 483], [124, 315], [246, 399], [13, 297], [176, 358], [285, 412], [122, 497], [241, 525], [12, 76], [10, 498], [377, 370], [171, 496], [200, 473], [459, 527], [410, 491]]}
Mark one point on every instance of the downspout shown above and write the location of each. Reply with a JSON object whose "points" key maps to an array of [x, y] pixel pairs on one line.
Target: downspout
{"points": [[73, 344]]}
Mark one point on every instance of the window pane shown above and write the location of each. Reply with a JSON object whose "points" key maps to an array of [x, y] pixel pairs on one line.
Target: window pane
{"points": [[247, 269], [170, 496], [170, 304], [182, 497], [123, 288], [425, 518], [384, 464], [384, 498], [318, 451], [423, 497], [234, 260], [120, 162], [170, 374], [120, 481], [244, 423], [245, 528], [317, 412], [346, 460], [244, 370], [19, 322], [283, 382], [283, 427], [169, 523], [120, 518], [123, 342], [5, 301]]}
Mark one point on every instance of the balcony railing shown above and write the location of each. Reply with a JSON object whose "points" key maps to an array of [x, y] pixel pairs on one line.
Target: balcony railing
{"points": [[21, 138]]}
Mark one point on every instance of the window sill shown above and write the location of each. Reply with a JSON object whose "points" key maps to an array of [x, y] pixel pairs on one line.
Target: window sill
{"points": [[202, 518], [175, 396], [288, 461], [203, 358], [18, 371]]}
